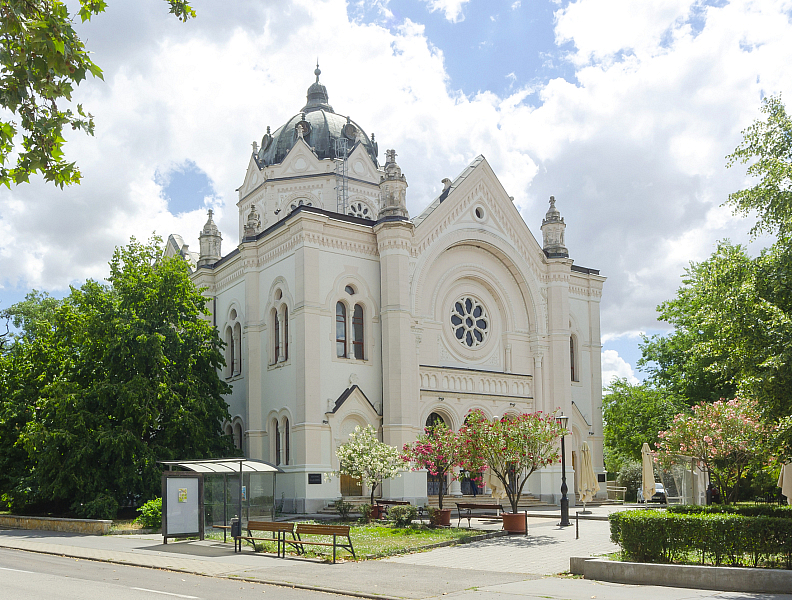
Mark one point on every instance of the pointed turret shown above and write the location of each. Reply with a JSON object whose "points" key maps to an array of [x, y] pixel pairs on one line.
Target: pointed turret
{"points": [[209, 241], [553, 227], [393, 189]]}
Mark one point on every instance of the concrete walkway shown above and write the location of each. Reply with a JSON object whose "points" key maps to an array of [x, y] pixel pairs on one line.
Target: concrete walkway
{"points": [[494, 568]]}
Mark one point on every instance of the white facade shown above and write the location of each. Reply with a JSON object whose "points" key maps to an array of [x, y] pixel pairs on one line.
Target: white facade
{"points": [[339, 310]]}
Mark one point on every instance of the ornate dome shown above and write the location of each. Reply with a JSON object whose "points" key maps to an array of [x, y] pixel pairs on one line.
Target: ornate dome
{"points": [[320, 126]]}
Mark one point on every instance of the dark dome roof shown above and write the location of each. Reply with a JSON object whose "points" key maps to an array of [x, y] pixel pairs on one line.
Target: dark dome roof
{"points": [[324, 128]]}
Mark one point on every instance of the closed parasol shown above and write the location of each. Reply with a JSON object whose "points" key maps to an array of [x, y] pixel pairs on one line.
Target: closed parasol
{"points": [[495, 484], [648, 480], [588, 486], [785, 481]]}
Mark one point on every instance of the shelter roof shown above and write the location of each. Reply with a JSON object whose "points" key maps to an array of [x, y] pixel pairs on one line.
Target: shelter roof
{"points": [[224, 465]]}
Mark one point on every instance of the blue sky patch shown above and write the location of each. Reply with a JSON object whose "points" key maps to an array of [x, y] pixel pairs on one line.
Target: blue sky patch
{"points": [[185, 187]]}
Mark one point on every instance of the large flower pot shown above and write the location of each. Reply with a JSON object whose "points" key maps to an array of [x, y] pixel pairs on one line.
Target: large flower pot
{"points": [[377, 511], [514, 522], [442, 517]]}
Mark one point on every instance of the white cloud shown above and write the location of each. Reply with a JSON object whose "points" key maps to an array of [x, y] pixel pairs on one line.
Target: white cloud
{"points": [[633, 149], [615, 367], [451, 8]]}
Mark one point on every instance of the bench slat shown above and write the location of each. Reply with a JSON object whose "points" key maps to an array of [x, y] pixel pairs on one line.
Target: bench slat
{"points": [[322, 529], [270, 526]]}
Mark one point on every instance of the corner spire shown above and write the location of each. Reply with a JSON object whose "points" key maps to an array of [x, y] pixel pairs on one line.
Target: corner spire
{"points": [[553, 227]]}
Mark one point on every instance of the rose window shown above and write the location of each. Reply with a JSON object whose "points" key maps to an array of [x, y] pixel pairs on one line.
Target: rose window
{"points": [[470, 322], [358, 209]]}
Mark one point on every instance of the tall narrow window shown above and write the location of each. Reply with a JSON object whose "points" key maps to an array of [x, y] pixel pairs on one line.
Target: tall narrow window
{"points": [[276, 333], [341, 344], [572, 352], [287, 445], [230, 347], [237, 349], [357, 331], [277, 444], [238, 436], [285, 333]]}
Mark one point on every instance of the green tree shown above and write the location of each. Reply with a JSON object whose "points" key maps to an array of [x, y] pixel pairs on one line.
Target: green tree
{"points": [[42, 60], [769, 143], [112, 380], [634, 414], [732, 323]]}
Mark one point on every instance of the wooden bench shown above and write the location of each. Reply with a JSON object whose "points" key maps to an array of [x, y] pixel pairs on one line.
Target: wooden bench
{"points": [[386, 503], [327, 530], [278, 530], [468, 510]]}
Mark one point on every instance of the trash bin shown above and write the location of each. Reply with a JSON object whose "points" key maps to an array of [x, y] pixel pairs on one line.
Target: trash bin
{"points": [[236, 532]]}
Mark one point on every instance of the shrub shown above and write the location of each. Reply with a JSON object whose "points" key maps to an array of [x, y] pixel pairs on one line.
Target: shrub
{"points": [[630, 476], [757, 510], [402, 516], [365, 512], [103, 506], [343, 508], [715, 536], [151, 514]]}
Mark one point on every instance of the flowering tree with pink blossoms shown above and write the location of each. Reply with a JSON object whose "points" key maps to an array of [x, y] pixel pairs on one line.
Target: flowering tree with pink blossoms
{"points": [[437, 451], [727, 437], [512, 447]]}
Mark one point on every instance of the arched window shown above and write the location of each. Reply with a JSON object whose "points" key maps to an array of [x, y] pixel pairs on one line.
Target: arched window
{"points": [[277, 444], [237, 361], [341, 318], [238, 436], [357, 332], [285, 334], [286, 444], [230, 347], [276, 334], [573, 357], [435, 419]]}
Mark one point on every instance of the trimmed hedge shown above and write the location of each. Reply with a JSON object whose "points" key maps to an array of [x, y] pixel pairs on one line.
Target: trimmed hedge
{"points": [[716, 538], [757, 510]]}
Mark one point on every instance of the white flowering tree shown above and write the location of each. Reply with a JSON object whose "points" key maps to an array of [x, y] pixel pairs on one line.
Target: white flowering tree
{"points": [[366, 457]]}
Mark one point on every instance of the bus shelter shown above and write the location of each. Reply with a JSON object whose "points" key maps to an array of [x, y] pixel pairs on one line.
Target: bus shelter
{"points": [[203, 495]]}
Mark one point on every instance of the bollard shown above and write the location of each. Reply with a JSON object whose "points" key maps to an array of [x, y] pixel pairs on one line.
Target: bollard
{"points": [[577, 525]]}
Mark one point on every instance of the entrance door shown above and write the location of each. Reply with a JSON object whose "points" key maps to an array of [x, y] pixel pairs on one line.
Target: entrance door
{"points": [[433, 485], [351, 486]]}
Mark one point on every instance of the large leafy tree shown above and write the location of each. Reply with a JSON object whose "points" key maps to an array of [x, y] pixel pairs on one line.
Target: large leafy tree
{"points": [[42, 60], [102, 385], [767, 145], [634, 414]]}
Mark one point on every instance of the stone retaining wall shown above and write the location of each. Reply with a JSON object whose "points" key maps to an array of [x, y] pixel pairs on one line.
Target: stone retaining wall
{"points": [[726, 579], [89, 526]]}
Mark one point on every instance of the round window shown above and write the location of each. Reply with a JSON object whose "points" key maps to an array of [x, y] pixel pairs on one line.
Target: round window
{"points": [[469, 322]]}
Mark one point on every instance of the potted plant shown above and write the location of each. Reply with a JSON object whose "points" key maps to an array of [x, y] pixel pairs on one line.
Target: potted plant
{"points": [[512, 448], [437, 451], [366, 457]]}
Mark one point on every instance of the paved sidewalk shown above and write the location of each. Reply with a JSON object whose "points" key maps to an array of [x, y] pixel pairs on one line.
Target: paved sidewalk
{"points": [[421, 575]]}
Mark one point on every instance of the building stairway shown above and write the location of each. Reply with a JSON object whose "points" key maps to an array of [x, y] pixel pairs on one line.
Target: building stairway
{"points": [[527, 502]]}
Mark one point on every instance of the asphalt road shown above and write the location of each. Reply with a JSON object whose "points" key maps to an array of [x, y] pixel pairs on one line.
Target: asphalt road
{"points": [[26, 575], [30, 575]]}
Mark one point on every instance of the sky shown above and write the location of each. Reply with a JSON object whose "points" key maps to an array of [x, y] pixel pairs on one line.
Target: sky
{"points": [[624, 110]]}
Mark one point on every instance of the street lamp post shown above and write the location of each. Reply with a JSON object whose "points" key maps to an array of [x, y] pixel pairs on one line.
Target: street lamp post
{"points": [[562, 420]]}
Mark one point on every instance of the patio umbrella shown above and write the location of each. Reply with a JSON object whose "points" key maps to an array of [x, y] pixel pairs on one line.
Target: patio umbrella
{"points": [[785, 481], [588, 486], [648, 480]]}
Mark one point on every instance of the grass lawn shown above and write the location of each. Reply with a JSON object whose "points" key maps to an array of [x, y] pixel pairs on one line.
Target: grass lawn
{"points": [[375, 540]]}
